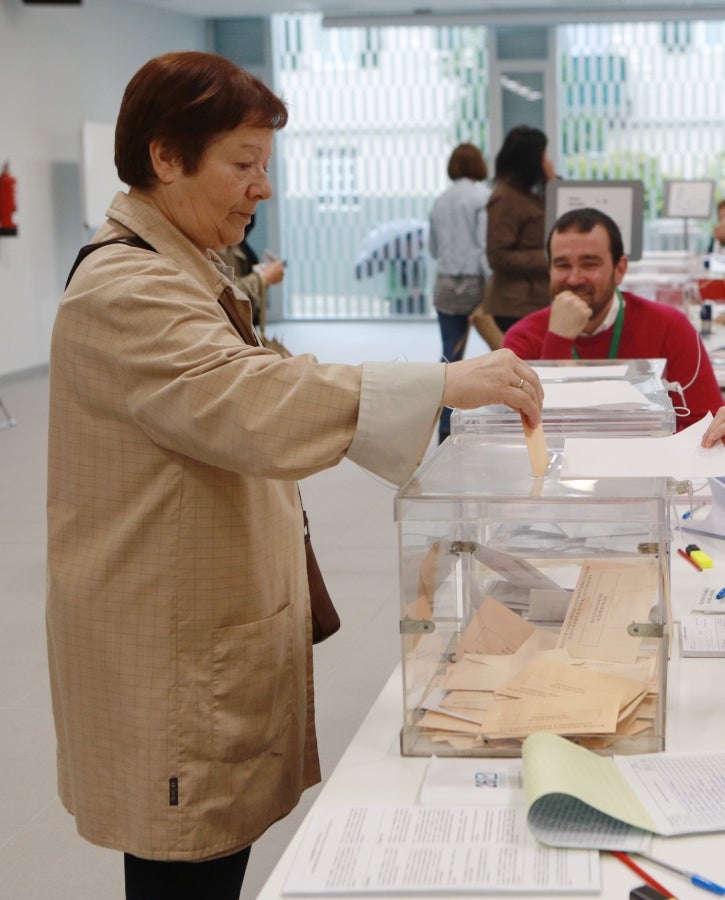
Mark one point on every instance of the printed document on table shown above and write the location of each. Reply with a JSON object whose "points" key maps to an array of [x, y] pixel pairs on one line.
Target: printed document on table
{"points": [[710, 603], [676, 456], [702, 635], [580, 799], [430, 850]]}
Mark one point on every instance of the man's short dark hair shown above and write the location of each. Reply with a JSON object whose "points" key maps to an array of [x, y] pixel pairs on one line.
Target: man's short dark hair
{"points": [[585, 220]]}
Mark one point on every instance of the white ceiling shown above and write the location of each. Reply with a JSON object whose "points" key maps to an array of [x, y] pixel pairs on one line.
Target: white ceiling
{"points": [[493, 11]]}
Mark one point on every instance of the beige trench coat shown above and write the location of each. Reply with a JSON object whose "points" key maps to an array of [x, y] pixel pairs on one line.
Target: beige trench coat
{"points": [[177, 609]]}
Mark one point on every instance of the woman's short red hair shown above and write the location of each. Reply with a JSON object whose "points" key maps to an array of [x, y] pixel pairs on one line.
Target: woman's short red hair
{"points": [[185, 100]]}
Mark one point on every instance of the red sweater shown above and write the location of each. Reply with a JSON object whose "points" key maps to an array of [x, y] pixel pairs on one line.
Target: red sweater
{"points": [[651, 330]]}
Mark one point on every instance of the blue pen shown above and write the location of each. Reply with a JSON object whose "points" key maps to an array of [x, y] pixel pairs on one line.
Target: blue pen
{"points": [[720, 594], [689, 512], [697, 880]]}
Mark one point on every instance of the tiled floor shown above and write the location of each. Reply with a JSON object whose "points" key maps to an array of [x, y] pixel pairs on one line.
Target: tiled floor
{"points": [[351, 516]]}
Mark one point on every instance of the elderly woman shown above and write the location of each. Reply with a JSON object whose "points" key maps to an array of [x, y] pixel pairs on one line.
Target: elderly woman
{"points": [[178, 616]]}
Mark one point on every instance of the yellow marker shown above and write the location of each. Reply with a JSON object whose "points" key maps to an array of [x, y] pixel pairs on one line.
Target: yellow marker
{"points": [[701, 558], [698, 556]]}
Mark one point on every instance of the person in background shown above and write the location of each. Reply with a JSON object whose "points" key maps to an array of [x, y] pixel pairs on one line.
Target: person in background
{"points": [[717, 240], [457, 242], [589, 318], [250, 276], [178, 608], [519, 284]]}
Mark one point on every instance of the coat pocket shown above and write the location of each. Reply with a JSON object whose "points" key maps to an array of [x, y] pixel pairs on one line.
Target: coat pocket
{"points": [[252, 686]]}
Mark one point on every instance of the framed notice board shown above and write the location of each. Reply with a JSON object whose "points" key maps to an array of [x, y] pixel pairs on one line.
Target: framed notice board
{"points": [[99, 179], [622, 201], [688, 199]]}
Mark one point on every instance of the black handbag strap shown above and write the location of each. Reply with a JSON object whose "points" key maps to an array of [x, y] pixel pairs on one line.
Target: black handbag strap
{"points": [[132, 241], [226, 301]]}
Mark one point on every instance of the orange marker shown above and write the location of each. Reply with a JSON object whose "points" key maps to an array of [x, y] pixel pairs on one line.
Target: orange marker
{"points": [[690, 560]]}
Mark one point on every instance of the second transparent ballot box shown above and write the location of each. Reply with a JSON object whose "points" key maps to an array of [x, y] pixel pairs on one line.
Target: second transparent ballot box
{"points": [[530, 604], [619, 398]]}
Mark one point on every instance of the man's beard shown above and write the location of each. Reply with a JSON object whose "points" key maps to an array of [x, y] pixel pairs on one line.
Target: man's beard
{"points": [[597, 304]]}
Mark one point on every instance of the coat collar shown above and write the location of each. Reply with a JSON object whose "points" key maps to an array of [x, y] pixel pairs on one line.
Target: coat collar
{"points": [[135, 213]]}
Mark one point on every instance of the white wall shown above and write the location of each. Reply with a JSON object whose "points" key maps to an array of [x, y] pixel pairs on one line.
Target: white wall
{"points": [[60, 66]]}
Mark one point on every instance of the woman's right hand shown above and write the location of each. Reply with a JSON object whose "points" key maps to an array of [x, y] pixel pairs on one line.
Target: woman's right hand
{"points": [[497, 377], [272, 272], [715, 430]]}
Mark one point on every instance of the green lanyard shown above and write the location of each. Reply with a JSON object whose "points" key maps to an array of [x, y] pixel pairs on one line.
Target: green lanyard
{"points": [[616, 333]]}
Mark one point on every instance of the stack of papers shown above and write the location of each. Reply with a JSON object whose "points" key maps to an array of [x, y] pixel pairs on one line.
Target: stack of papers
{"points": [[676, 456], [593, 394], [510, 678], [579, 799], [499, 836]]}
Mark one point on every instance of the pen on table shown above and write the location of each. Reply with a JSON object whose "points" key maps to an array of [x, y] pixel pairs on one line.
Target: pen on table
{"points": [[697, 880], [630, 863], [689, 559], [720, 594], [688, 513]]}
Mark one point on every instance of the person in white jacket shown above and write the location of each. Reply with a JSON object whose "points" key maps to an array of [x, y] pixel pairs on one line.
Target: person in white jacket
{"points": [[457, 242]]}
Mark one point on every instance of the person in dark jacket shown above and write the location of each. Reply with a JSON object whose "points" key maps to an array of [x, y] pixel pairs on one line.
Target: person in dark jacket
{"points": [[519, 283]]}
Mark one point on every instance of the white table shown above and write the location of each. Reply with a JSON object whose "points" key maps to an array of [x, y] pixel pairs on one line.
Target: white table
{"points": [[372, 771]]}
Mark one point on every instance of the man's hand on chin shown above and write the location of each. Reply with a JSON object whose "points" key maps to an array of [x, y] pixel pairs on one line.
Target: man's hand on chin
{"points": [[569, 315]]}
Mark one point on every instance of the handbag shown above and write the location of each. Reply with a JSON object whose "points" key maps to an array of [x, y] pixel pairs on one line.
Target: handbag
{"points": [[486, 326], [325, 620]]}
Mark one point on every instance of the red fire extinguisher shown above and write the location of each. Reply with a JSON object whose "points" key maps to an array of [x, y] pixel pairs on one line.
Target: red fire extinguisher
{"points": [[7, 201]]}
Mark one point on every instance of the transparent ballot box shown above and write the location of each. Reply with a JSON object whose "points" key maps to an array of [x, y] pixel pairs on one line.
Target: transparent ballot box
{"points": [[644, 412], [530, 604]]}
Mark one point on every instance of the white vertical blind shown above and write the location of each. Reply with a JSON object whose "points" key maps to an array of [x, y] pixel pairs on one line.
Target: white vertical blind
{"points": [[376, 111]]}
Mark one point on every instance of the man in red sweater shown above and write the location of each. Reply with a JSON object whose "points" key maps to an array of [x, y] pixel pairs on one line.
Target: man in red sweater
{"points": [[589, 318]]}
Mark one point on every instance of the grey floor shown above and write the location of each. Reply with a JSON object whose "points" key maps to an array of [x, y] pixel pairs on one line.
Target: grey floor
{"points": [[351, 516]]}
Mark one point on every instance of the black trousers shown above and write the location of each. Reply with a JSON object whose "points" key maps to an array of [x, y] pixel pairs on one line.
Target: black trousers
{"points": [[505, 322], [213, 879]]}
